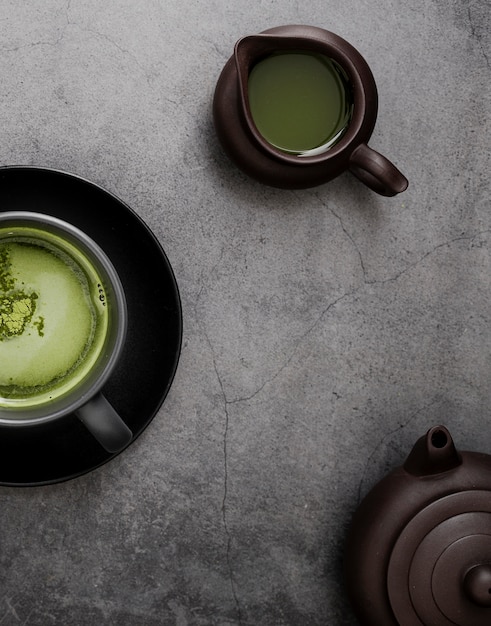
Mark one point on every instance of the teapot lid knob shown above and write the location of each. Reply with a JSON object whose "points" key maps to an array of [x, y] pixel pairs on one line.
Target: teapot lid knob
{"points": [[477, 584]]}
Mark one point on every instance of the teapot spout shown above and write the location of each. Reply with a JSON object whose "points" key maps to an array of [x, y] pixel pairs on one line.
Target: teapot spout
{"points": [[433, 453]]}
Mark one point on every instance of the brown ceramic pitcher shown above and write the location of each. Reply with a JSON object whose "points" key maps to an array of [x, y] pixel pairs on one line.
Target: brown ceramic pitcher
{"points": [[250, 151]]}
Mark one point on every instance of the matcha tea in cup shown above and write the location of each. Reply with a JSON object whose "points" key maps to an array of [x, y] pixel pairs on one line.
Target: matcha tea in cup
{"points": [[62, 326]]}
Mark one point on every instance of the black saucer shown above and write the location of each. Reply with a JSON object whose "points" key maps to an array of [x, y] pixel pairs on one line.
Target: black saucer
{"points": [[37, 455]]}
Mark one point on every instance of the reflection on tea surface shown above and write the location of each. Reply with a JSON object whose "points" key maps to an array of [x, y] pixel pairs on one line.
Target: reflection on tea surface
{"points": [[301, 102]]}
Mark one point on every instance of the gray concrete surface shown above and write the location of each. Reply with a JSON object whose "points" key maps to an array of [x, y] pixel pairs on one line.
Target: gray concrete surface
{"points": [[325, 330]]}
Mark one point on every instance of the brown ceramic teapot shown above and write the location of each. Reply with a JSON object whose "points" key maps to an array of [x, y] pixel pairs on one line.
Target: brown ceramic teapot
{"points": [[248, 148], [419, 549]]}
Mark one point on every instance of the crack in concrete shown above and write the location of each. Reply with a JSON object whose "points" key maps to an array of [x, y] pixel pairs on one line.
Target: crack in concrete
{"points": [[331, 305], [345, 231], [35, 44], [411, 266], [395, 277], [477, 37], [348, 294], [387, 436], [86, 29], [10, 610], [53, 43], [26, 621], [225, 443], [295, 348], [353, 242], [228, 534], [123, 51]]}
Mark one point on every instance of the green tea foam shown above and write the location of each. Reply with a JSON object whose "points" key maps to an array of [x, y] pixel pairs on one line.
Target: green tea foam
{"points": [[53, 316]]}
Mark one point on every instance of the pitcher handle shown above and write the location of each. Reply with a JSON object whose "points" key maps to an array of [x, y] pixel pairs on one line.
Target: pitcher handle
{"points": [[377, 172]]}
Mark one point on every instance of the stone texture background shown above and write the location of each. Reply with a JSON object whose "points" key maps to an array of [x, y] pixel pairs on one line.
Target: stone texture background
{"points": [[324, 330]]}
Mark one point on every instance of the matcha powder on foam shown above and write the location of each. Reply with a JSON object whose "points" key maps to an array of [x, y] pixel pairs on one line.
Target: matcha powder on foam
{"points": [[17, 307]]}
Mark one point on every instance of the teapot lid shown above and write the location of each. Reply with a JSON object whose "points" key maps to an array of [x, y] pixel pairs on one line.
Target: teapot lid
{"points": [[440, 567]]}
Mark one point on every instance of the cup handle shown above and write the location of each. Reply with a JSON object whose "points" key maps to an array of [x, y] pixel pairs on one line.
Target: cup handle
{"points": [[376, 171], [104, 423]]}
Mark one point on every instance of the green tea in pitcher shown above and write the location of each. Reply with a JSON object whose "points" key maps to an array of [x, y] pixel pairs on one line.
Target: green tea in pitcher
{"points": [[301, 102]]}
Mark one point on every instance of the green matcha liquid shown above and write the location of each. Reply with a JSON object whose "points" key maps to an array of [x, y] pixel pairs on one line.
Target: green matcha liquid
{"points": [[53, 321], [300, 102]]}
